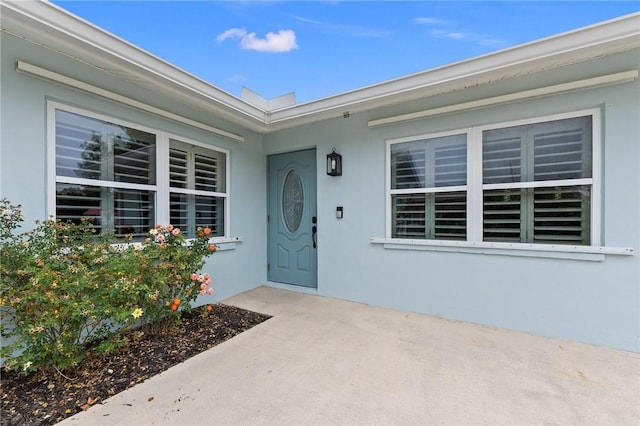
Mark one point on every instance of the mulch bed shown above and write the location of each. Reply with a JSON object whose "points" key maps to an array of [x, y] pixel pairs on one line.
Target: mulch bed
{"points": [[41, 399]]}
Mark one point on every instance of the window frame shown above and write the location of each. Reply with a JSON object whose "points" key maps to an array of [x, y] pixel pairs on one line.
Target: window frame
{"points": [[161, 188], [427, 189], [475, 185], [194, 148]]}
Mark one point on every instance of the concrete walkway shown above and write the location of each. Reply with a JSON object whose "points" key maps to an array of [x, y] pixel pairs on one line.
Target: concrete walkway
{"points": [[321, 361]]}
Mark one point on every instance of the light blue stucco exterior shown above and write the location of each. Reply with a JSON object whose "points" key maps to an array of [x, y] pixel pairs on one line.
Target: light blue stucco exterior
{"points": [[596, 302], [590, 301], [24, 140]]}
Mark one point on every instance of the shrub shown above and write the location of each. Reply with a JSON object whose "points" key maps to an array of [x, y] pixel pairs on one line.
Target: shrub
{"points": [[62, 286], [168, 265]]}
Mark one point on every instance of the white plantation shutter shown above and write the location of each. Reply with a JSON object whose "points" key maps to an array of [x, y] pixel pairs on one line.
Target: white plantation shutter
{"points": [[206, 173], [197, 188], [533, 211], [427, 168], [178, 167], [105, 173]]}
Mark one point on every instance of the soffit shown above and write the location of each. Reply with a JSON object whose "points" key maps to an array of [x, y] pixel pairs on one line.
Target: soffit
{"points": [[50, 26]]}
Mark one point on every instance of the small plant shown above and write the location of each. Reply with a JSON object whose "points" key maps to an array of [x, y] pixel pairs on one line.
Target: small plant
{"points": [[63, 286]]}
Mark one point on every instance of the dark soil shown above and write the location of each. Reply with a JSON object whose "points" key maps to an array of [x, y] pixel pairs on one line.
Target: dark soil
{"points": [[41, 399]]}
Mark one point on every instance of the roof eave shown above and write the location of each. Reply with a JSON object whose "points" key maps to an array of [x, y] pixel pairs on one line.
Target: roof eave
{"points": [[586, 43]]}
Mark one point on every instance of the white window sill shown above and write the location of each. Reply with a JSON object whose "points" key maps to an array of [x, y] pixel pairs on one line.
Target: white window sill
{"points": [[222, 243], [225, 243], [591, 253]]}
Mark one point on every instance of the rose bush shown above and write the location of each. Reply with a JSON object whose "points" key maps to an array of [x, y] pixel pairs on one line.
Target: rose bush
{"points": [[62, 286], [168, 268]]}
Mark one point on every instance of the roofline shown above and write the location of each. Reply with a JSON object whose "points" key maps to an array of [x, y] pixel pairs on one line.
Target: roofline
{"points": [[578, 45], [41, 21]]}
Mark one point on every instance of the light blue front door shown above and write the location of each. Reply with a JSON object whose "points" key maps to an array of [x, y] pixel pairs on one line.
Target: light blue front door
{"points": [[292, 218]]}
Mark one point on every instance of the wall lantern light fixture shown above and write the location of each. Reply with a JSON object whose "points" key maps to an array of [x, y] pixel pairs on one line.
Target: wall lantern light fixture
{"points": [[334, 163]]}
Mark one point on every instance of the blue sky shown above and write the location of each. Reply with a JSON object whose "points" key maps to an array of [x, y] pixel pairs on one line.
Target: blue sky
{"points": [[322, 48]]}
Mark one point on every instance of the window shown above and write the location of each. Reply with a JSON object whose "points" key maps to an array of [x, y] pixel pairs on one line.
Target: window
{"points": [[197, 187], [107, 172], [529, 182], [428, 188], [532, 177]]}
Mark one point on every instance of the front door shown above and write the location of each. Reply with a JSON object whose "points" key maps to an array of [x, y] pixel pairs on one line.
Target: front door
{"points": [[292, 218]]}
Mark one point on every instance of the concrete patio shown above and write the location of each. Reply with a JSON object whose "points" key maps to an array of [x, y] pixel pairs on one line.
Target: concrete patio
{"points": [[322, 361]]}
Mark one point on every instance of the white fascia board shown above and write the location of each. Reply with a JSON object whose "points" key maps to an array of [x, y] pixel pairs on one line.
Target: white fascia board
{"points": [[599, 81], [52, 26], [575, 46]]}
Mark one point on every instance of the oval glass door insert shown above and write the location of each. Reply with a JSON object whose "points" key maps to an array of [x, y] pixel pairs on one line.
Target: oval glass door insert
{"points": [[292, 201]]}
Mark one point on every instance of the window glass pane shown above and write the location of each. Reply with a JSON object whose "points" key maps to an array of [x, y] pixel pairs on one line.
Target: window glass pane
{"points": [[562, 150], [553, 150], [292, 201], [408, 216], [89, 148], [210, 212], [134, 156], [429, 163], [207, 173], [561, 215], [78, 147], [502, 221], [77, 202], [126, 211], [178, 168], [501, 156], [450, 215], [197, 168], [189, 212], [555, 215], [133, 212], [441, 215], [179, 213]]}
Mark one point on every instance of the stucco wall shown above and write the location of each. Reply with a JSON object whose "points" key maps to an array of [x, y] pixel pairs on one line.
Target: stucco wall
{"points": [[595, 302], [23, 153]]}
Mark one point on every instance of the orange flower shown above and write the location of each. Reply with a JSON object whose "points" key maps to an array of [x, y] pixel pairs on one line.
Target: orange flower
{"points": [[209, 308], [174, 307], [176, 301], [212, 247], [207, 231]]}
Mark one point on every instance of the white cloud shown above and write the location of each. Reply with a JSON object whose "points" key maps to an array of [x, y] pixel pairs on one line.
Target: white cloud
{"points": [[453, 35], [428, 20], [282, 41], [481, 39], [232, 33]]}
